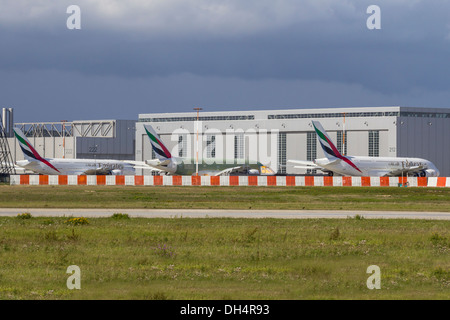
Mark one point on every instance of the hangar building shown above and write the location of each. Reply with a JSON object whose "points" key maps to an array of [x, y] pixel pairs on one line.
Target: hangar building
{"points": [[269, 136], [87, 139], [275, 136]]}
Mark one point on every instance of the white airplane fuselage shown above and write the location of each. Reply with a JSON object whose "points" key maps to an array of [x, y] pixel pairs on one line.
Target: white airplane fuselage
{"points": [[187, 166], [78, 166], [379, 166]]}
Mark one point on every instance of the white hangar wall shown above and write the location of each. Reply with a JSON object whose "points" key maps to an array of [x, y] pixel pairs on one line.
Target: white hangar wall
{"points": [[369, 131], [261, 135]]}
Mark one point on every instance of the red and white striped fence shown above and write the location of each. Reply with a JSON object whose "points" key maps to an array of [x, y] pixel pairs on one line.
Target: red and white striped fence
{"points": [[229, 181]]}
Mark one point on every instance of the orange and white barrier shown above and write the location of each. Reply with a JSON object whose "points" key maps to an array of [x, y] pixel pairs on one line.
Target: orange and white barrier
{"points": [[230, 181]]}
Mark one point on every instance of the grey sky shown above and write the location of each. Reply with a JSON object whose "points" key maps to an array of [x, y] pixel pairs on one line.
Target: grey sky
{"points": [[147, 56]]}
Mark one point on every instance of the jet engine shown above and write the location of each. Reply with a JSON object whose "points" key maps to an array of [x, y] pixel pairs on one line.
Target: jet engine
{"points": [[428, 173], [97, 172]]}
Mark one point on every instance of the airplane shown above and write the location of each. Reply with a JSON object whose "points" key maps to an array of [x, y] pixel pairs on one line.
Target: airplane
{"points": [[61, 166], [336, 163], [168, 164]]}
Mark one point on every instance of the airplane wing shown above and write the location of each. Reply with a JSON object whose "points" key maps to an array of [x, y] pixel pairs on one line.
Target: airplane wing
{"points": [[309, 165], [243, 169], [149, 168], [299, 164], [404, 171], [229, 170], [142, 165]]}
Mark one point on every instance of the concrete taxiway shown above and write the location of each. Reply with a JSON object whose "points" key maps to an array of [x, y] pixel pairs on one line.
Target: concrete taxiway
{"points": [[211, 213]]}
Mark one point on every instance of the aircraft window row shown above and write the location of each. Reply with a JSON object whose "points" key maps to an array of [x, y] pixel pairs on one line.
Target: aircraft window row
{"points": [[202, 118]]}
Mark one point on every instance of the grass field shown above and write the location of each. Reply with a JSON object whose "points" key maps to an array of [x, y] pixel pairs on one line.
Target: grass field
{"points": [[194, 259], [182, 258], [308, 198]]}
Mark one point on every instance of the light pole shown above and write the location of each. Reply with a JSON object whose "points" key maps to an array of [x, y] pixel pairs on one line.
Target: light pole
{"points": [[196, 162], [343, 137], [64, 137]]}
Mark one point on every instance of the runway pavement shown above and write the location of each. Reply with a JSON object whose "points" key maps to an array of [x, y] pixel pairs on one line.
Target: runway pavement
{"points": [[199, 213]]}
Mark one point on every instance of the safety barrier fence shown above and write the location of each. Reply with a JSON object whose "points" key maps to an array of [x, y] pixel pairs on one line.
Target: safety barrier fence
{"points": [[230, 181]]}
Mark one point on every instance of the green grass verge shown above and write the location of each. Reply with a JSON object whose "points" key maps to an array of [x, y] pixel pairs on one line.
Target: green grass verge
{"points": [[182, 258], [279, 198]]}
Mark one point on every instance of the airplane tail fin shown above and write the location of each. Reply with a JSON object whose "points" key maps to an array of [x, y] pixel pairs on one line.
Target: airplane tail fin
{"points": [[29, 152], [330, 150], [160, 149]]}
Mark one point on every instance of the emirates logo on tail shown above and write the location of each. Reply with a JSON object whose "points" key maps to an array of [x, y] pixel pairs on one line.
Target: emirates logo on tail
{"points": [[29, 151], [161, 151], [328, 147]]}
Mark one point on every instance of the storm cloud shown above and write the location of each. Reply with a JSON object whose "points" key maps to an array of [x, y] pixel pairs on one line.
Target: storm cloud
{"points": [[133, 57]]}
